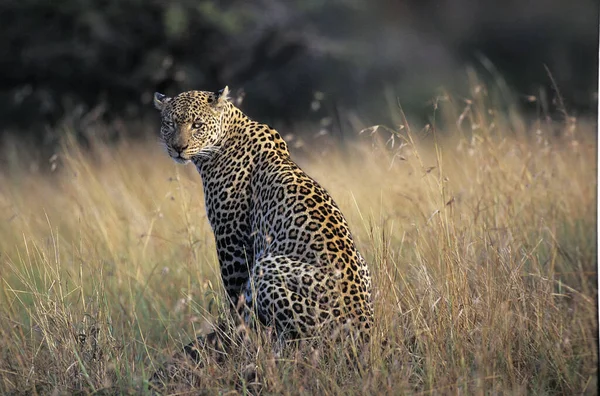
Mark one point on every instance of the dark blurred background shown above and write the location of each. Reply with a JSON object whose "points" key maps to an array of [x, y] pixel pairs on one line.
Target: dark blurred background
{"points": [[296, 60]]}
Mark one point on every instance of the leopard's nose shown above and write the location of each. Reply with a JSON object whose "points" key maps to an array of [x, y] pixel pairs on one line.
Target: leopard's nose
{"points": [[179, 148]]}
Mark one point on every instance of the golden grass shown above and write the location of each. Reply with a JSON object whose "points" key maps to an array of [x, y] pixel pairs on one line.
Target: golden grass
{"points": [[481, 237]]}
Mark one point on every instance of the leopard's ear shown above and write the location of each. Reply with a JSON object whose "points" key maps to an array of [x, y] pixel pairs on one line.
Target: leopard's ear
{"points": [[160, 100], [221, 97]]}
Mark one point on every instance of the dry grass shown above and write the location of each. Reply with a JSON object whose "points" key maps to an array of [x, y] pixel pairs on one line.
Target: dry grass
{"points": [[482, 245]]}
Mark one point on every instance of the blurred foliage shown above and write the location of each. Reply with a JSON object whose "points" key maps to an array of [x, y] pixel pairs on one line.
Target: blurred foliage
{"points": [[72, 56]]}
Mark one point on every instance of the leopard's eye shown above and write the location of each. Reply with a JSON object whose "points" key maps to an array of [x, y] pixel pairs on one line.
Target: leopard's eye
{"points": [[168, 123], [197, 124]]}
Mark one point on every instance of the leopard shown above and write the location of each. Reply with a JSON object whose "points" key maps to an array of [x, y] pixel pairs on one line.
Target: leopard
{"points": [[284, 248]]}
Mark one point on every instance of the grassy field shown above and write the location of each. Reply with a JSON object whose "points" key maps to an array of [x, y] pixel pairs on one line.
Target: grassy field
{"points": [[480, 234]]}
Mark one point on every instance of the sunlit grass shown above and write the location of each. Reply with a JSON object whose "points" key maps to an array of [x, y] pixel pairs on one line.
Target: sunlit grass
{"points": [[480, 231]]}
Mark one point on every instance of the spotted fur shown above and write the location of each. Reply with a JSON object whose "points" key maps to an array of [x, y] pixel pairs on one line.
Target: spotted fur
{"points": [[284, 247]]}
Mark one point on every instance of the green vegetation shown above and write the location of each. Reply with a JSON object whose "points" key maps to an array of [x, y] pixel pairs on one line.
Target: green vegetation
{"points": [[481, 239], [63, 58]]}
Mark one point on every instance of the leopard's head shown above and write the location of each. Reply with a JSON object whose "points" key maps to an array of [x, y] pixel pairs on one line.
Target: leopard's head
{"points": [[192, 123]]}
